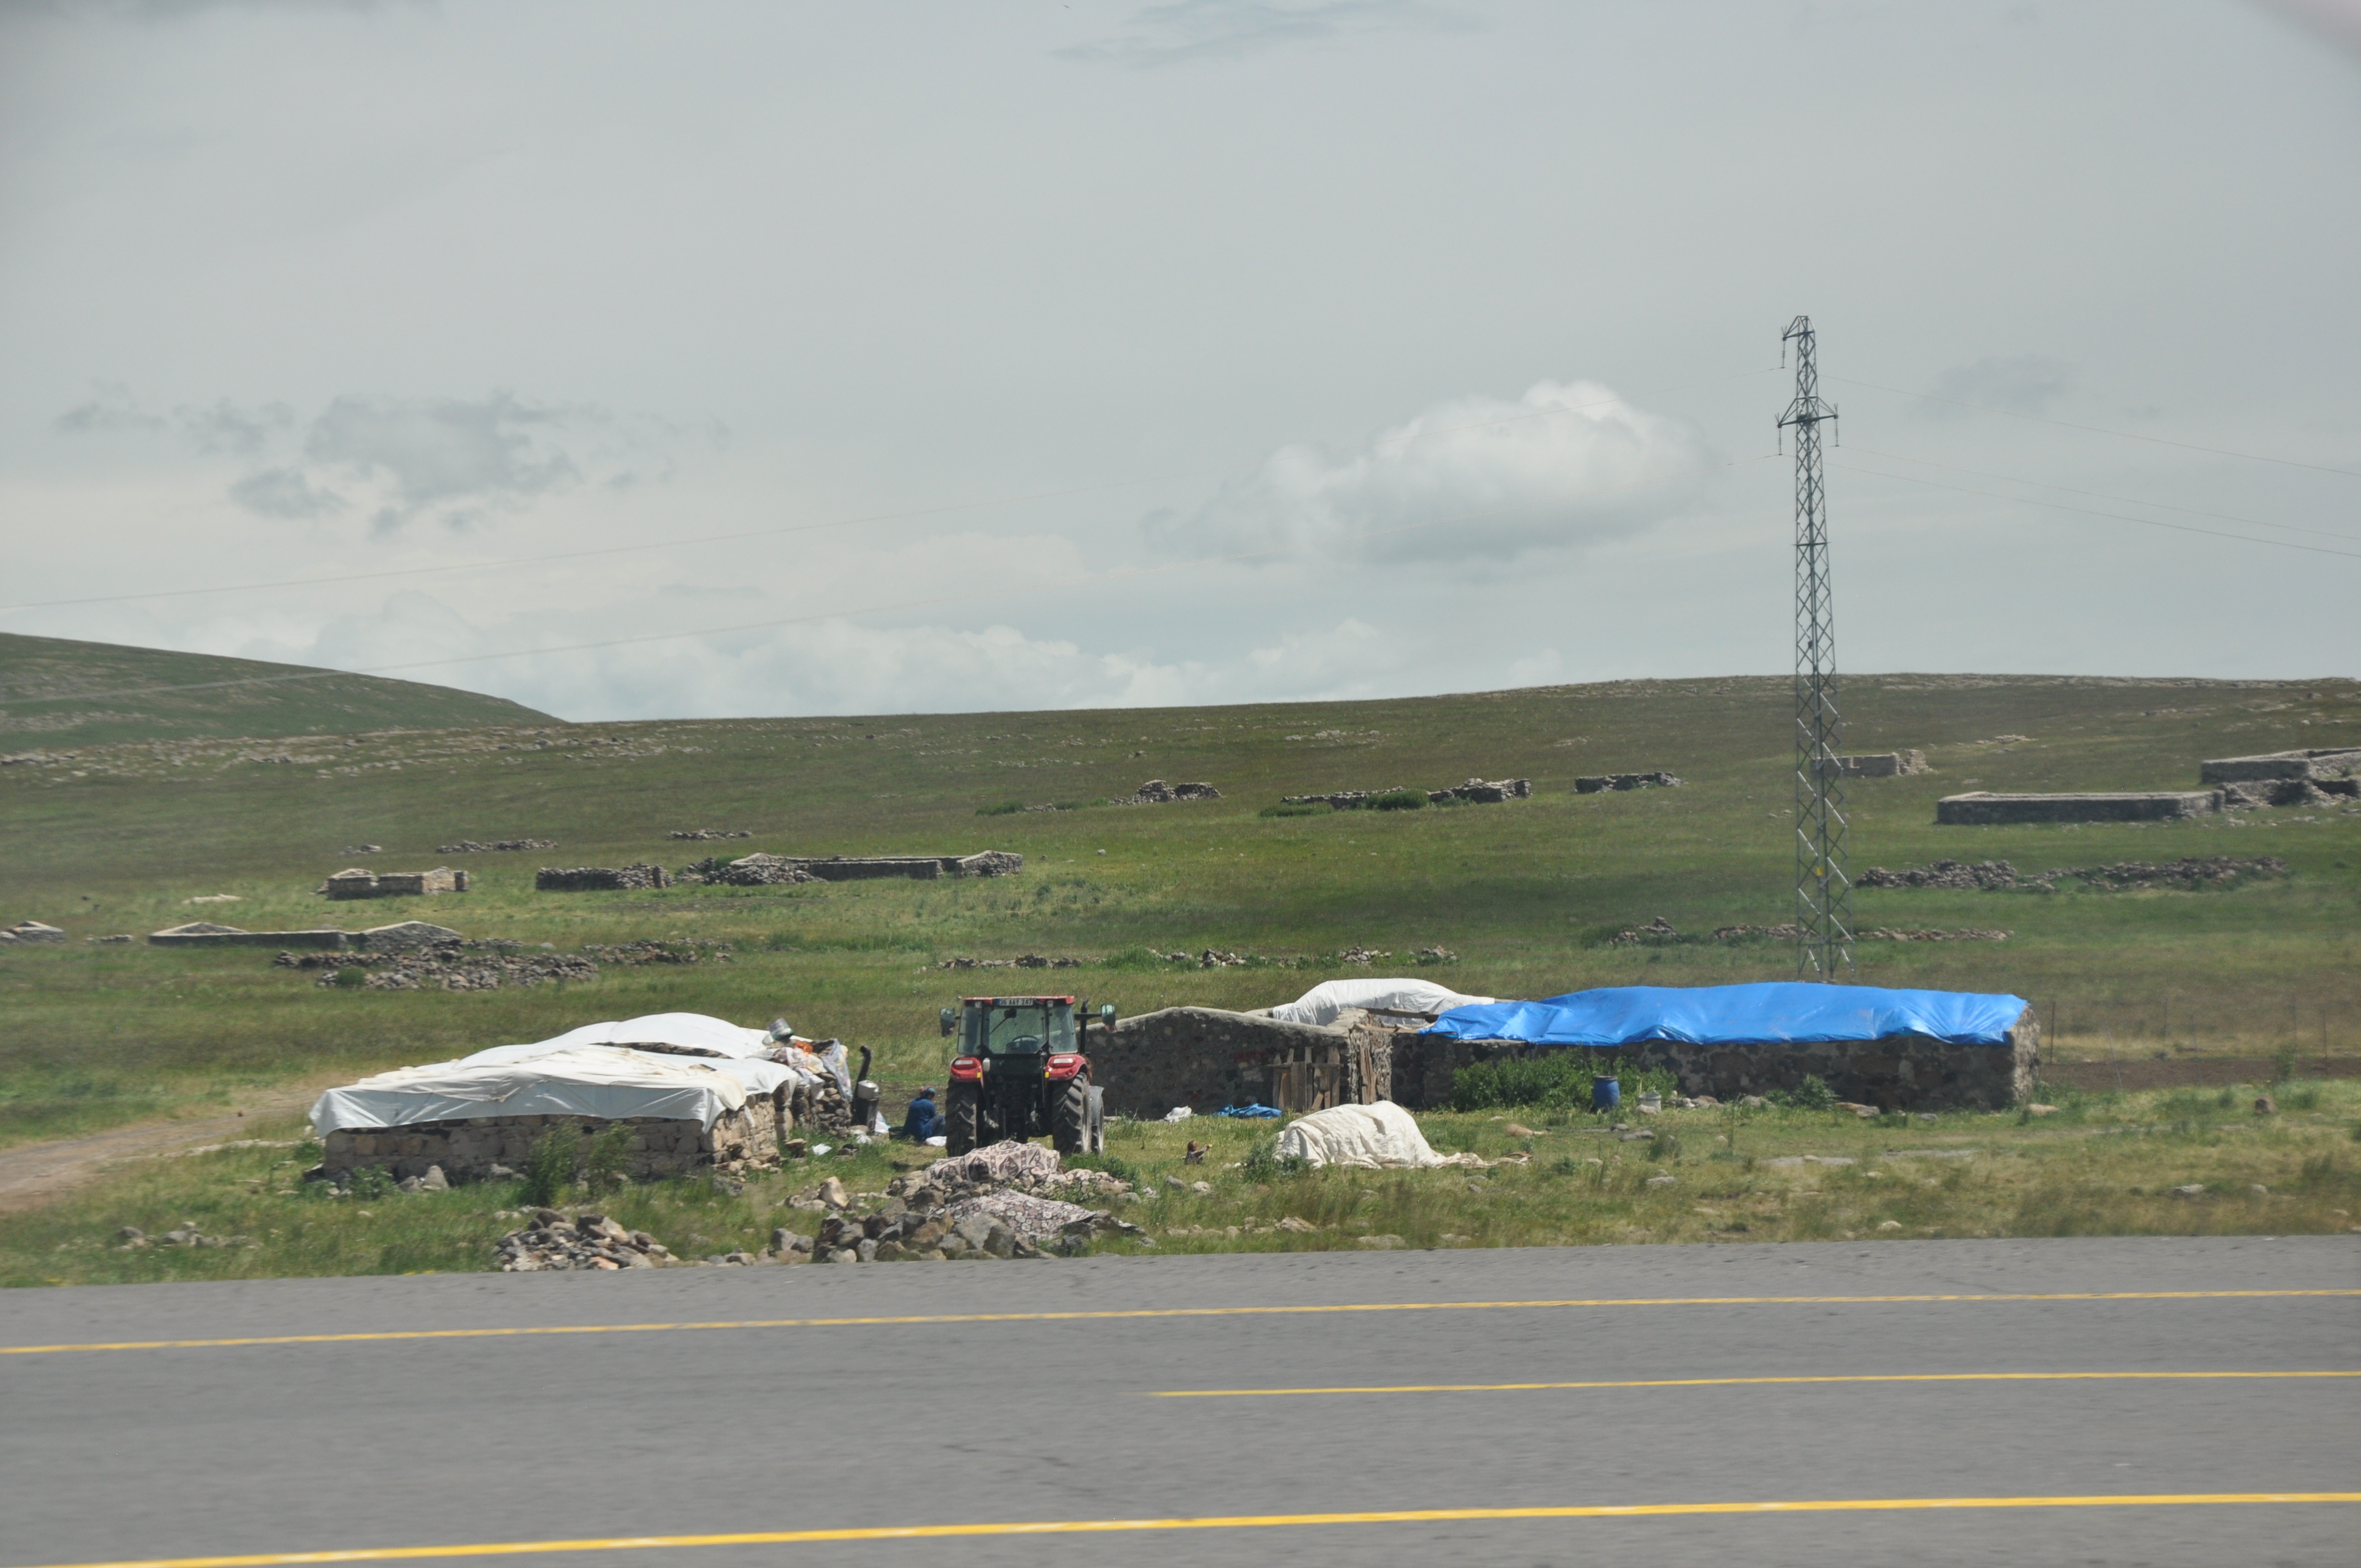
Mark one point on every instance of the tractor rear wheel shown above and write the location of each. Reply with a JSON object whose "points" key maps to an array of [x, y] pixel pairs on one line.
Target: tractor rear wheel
{"points": [[960, 1118], [1069, 1118]]}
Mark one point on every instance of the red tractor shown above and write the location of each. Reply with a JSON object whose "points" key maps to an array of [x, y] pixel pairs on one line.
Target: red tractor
{"points": [[1021, 1072]]}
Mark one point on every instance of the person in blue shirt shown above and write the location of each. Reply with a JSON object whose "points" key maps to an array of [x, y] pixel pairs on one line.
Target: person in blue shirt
{"points": [[924, 1121]]}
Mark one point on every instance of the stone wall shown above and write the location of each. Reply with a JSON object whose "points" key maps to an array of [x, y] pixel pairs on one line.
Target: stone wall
{"points": [[1906, 1072], [1983, 808], [742, 1139], [1884, 765], [358, 882], [926, 868], [205, 934], [2310, 765], [600, 879], [1206, 1059]]}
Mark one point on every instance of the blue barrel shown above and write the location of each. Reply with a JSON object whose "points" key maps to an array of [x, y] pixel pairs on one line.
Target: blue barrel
{"points": [[1606, 1093]]}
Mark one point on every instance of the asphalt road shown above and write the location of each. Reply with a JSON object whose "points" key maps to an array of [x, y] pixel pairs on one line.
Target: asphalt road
{"points": [[476, 1438]]}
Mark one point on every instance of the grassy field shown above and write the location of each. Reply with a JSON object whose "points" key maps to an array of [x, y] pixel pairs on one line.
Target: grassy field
{"points": [[58, 693], [1528, 896], [2170, 1164]]}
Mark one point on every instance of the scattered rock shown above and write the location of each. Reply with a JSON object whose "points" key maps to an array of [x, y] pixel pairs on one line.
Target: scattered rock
{"points": [[1382, 1242], [700, 834], [2036, 1109], [1598, 783], [469, 846], [1519, 1130], [1661, 1180], [2266, 1106], [591, 1241], [1156, 792], [1889, 1225], [833, 1193], [1290, 1222], [2193, 1189]]}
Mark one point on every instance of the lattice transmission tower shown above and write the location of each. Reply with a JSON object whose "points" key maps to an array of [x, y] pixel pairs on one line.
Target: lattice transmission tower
{"points": [[1823, 892]]}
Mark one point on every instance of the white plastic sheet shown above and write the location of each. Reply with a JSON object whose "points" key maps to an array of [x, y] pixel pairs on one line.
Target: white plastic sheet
{"points": [[694, 1032], [605, 1082], [1323, 1003], [1370, 1136]]}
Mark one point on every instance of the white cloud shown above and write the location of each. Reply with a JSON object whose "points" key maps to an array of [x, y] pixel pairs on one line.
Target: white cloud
{"points": [[110, 409], [284, 492], [1568, 464], [447, 455]]}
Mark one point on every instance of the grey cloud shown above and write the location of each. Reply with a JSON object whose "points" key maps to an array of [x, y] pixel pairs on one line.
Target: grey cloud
{"points": [[1194, 30], [111, 409], [2025, 384], [285, 492], [1474, 479], [445, 452], [225, 427]]}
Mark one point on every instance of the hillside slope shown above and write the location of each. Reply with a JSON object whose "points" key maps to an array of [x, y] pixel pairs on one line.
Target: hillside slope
{"points": [[56, 693]]}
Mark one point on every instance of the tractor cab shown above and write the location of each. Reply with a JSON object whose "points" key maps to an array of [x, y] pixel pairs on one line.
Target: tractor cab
{"points": [[1020, 1071]]}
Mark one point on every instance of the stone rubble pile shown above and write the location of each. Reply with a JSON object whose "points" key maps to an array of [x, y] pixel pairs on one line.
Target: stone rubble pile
{"points": [[2288, 792], [1476, 792], [700, 834], [971, 1206], [748, 870], [1156, 792], [1023, 960], [1983, 876], [678, 950], [470, 846], [1360, 955], [131, 1238], [1999, 876], [1596, 782], [590, 1240], [636, 877], [443, 966]]}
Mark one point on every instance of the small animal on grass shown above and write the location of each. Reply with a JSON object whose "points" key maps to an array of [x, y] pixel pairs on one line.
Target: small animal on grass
{"points": [[1196, 1155]]}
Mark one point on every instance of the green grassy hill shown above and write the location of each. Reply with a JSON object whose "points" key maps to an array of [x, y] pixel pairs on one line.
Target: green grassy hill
{"points": [[55, 693], [1528, 896]]}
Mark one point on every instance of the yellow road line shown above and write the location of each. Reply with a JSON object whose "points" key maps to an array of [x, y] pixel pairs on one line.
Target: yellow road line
{"points": [[1229, 1521], [1729, 1382], [1166, 1312]]}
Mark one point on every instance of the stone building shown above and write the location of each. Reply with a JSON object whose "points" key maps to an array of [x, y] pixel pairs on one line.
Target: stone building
{"points": [[1204, 1058], [357, 882], [1983, 808]]}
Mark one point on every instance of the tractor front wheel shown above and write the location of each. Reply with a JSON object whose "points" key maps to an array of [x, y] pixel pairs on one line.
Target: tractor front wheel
{"points": [[960, 1118], [1069, 1118]]}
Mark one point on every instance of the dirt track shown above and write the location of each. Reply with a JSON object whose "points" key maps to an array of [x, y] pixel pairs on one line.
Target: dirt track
{"points": [[33, 1176]]}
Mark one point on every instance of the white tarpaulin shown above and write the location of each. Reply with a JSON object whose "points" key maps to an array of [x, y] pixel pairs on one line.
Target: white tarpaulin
{"points": [[690, 1032], [1367, 1136], [1323, 1002], [739, 1053], [604, 1082]]}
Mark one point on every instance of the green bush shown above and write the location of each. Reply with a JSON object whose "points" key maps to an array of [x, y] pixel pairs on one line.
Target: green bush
{"points": [[372, 1181], [1555, 1080], [1005, 808], [1812, 1094], [352, 979], [1309, 808], [607, 1166], [1398, 800], [549, 1166], [1262, 1162]]}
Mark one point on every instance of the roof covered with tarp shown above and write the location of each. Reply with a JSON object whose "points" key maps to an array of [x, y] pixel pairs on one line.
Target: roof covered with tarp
{"points": [[1324, 1002], [1773, 1012], [731, 1050], [607, 1084]]}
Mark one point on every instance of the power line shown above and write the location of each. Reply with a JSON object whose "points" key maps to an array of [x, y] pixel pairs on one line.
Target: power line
{"points": [[2102, 495], [2087, 511], [814, 527], [2100, 430], [965, 596]]}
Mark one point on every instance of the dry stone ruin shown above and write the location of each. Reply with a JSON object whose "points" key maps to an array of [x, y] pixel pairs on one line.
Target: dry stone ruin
{"points": [[1598, 783], [357, 882]]}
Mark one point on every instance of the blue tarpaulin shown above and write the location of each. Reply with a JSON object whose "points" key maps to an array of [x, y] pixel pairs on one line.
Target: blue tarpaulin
{"points": [[1775, 1013]]}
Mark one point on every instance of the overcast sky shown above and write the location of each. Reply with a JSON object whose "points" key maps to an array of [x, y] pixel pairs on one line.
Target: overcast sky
{"points": [[909, 358]]}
